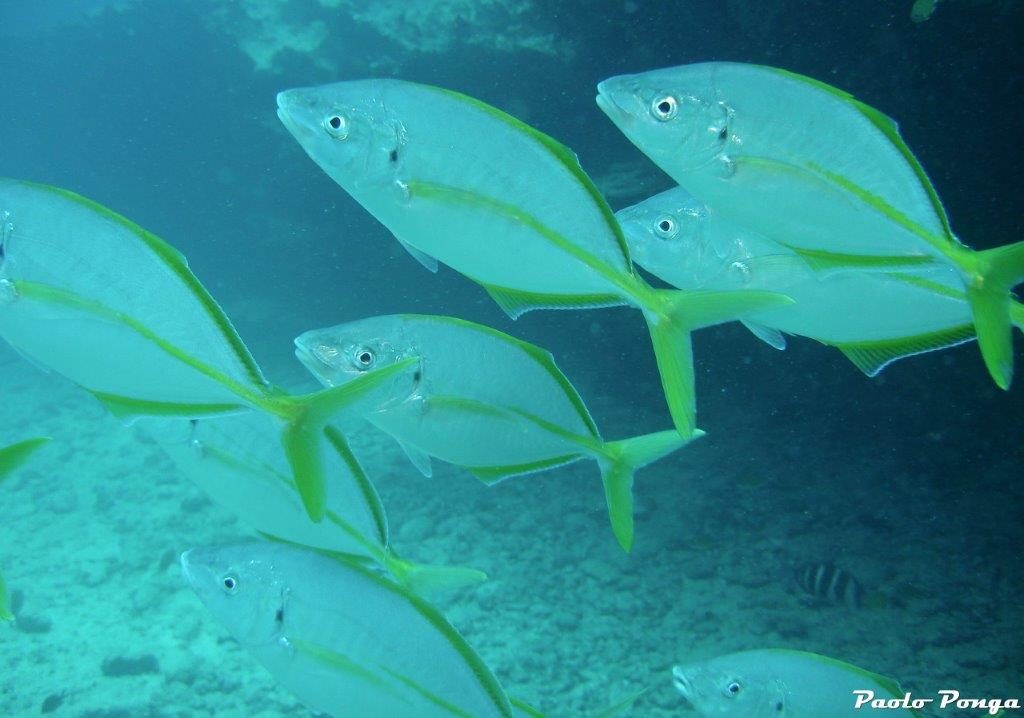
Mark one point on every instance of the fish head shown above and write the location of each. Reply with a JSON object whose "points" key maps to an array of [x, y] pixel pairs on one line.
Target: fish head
{"points": [[674, 116], [669, 230], [242, 592], [337, 355], [348, 129], [720, 689]]}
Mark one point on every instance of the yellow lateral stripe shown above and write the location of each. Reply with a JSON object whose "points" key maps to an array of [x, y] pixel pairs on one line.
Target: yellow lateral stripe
{"points": [[889, 684], [456, 196], [483, 674], [928, 285], [947, 246], [335, 660], [175, 261], [224, 457], [888, 127], [437, 700], [127, 406], [338, 661], [45, 293], [459, 403], [525, 708], [565, 156], [822, 259], [542, 357]]}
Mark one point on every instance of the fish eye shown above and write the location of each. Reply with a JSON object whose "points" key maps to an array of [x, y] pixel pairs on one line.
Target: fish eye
{"points": [[230, 583], [733, 688], [666, 228], [364, 358], [664, 108], [336, 126]]}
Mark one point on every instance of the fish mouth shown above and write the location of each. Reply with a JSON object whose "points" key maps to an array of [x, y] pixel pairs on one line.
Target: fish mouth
{"points": [[312, 363], [286, 101], [617, 98], [289, 123], [606, 101], [282, 115], [188, 569], [682, 683]]}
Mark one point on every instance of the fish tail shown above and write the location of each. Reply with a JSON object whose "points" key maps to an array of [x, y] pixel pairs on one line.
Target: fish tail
{"points": [[620, 461], [6, 614], [988, 292], [13, 456], [306, 418], [1017, 314], [674, 315], [426, 580]]}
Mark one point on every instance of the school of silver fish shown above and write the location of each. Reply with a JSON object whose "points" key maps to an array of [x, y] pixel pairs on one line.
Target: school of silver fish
{"points": [[799, 211]]}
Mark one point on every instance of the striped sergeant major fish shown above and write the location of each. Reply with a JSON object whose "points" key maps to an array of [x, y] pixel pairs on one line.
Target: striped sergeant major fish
{"points": [[829, 583]]}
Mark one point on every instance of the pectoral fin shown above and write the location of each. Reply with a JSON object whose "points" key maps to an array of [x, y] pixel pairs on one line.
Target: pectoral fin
{"points": [[422, 257], [419, 459], [771, 337]]}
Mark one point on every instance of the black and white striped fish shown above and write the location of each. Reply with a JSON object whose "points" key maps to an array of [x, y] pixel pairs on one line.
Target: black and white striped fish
{"points": [[827, 582]]}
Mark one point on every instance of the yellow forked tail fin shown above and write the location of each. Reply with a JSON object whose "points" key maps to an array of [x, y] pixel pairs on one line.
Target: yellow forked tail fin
{"points": [[670, 321], [427, 580], [997, 272], [13, 456], [306, 419], [620, 461]]}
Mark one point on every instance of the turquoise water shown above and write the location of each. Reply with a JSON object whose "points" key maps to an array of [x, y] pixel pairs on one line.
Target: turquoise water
{"points": [[909, 481]]}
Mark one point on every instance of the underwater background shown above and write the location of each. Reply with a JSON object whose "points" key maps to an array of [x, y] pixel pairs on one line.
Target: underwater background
{"points": [[911, 482]]}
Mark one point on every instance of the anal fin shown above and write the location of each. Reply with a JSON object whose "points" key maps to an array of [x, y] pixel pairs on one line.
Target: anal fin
{"points": [[515, 302], [493, 474], [873, 356]]}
